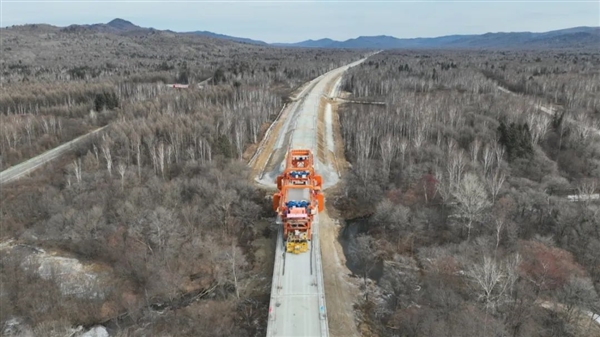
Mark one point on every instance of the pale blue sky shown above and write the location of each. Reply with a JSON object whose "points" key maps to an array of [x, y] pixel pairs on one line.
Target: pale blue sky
{"points": [[296, 21]]}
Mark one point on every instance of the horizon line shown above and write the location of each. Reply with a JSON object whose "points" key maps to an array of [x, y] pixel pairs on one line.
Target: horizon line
{"points": [[309, 39]]}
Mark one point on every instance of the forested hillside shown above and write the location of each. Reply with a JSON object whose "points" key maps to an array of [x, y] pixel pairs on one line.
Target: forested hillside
{"points": [[61, 83], [455, 204]]}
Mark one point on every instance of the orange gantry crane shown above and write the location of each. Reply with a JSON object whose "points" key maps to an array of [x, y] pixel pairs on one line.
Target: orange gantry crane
{"points": [[298, 200]]}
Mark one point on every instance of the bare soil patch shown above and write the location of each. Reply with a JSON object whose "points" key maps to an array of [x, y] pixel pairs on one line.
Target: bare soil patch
{"points": [[321, 130], [339, 156], [339, 289]]}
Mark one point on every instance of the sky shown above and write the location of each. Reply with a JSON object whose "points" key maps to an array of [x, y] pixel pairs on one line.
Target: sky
{"points": [[298, 20]]}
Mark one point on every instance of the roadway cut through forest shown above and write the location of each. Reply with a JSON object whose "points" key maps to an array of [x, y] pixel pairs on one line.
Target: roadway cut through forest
{"points": [[308, 295]]}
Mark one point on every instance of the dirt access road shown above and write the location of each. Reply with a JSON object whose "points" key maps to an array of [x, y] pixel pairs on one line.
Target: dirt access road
{"points": [[310, 122]]}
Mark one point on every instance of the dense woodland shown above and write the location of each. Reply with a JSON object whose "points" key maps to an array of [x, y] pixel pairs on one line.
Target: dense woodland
{"points": [[457, 193], [158, 209], [83, 77]]}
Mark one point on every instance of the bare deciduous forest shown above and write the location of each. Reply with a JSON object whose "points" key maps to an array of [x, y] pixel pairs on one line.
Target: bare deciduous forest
{"points": [[455, 210], [153, 227], [458, 193], [83, 77]]}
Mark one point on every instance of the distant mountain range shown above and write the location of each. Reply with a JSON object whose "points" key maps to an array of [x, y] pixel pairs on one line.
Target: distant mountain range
{"points": [[578, 37]]}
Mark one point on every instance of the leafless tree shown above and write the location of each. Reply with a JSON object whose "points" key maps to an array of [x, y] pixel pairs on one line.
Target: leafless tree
{"points": [[240, 137], [45, 126], [419, 139], [122, 169], [106, 151], [7, 130], [388, 152], [29, 127], [175, 145], [53, 124], [363, 144], [443, 186], [494, 282], [538, 124], [161, 158], [93, 115], [169, 155], [456, 166], [206, 153], [95, 148], [488, 277], [15, 137], [154, 158], [403, 148], [238, 263], [487, 159], [499, 224], [138, 154], [474, 149], [499, 151], [254, 129], [364, 169], [586, 189], [77, 170], [471, 201], [191, 153], [495, 183], [233, 271]]}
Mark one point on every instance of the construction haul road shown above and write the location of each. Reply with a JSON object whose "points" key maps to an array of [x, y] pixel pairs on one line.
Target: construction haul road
{"points": [[298, 305]]}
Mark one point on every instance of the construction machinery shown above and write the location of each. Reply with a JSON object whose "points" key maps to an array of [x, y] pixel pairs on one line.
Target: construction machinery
{"points": [[299, 199], [299, 169]]}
